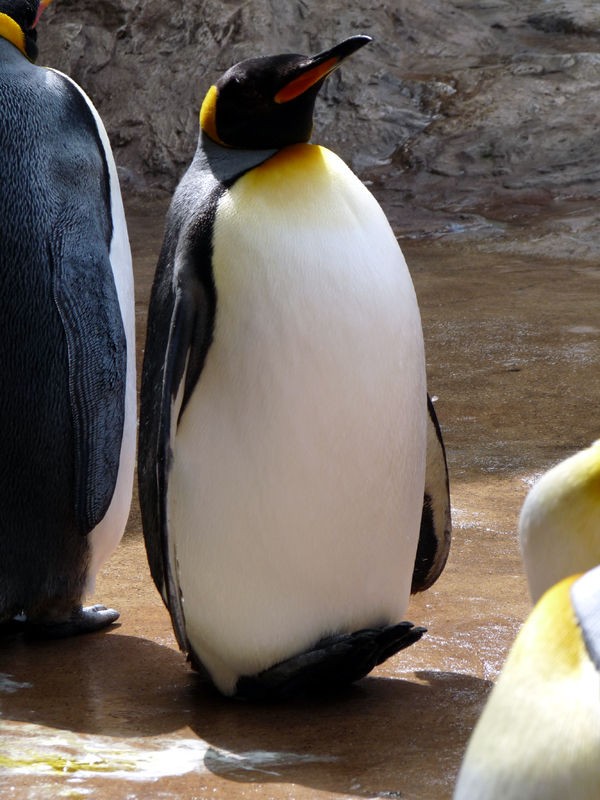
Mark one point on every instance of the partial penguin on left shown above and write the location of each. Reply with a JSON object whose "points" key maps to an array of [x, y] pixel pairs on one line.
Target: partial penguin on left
{"points": [[67, 396]]}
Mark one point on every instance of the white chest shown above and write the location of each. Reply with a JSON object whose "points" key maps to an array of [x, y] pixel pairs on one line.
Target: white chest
{"points": [[298, 468]]}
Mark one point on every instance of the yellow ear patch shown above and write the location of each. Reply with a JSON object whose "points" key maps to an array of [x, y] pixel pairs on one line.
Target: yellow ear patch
{"points": [[303, 82], [208, 114], [10, 30]]}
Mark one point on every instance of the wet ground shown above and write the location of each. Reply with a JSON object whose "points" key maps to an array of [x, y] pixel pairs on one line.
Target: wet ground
{"points": [[510, 314]]}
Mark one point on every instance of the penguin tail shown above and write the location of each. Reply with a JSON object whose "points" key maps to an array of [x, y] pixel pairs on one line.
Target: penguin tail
{"points": [[333, 663]]}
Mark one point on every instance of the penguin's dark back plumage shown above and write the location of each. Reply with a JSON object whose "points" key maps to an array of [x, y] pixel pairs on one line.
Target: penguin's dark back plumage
{"points": [[49, 143]]}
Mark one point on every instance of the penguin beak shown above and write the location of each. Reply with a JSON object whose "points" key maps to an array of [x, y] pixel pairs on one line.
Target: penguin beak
{"points": [[41, 8], [316, 69]]}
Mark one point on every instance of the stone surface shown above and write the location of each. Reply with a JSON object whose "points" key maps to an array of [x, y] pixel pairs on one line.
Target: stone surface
{"points": [[456, 105]]}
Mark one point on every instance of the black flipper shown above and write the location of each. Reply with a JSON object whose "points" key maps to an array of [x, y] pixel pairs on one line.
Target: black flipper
{"points": [[86, 298], [333, 662], [179, 353], [436, 525], [181, 318], [180, 324]]}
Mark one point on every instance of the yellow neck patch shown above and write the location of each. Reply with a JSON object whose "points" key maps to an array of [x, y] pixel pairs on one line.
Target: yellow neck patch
{"points": [[294, 170], [208, 115], [290, 162], [288, 184], [552, 631], [11, 31]]}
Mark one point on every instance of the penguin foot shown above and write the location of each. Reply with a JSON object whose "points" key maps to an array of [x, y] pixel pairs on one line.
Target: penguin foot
{"points": [[9, 627], [334, 662], [82, 620]]}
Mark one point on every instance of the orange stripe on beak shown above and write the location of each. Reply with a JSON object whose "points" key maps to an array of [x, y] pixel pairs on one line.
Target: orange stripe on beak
{"points": [[303, 82], [41, 8]]}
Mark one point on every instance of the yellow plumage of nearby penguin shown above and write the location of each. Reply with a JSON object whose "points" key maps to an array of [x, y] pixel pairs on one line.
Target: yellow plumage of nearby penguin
{"points": [[284, 425], [539, 735]]}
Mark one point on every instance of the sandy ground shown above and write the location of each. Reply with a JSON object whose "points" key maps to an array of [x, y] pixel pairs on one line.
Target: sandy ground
{"points": [[510, 315]]}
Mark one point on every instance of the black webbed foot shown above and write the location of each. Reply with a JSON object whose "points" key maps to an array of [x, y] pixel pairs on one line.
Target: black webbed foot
{"points": [[82, 620], [10, 627], [333, 662]]}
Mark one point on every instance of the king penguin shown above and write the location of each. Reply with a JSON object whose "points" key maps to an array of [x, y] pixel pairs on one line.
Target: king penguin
{"points": [[538, 737], [283, 422], [67, 400]]}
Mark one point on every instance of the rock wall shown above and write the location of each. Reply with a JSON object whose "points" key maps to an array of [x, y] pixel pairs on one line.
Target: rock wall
{"points": [[454, 103]]}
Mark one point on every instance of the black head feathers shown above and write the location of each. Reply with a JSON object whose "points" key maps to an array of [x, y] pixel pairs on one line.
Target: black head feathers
{"points": [[18, 20], [268, 102]]}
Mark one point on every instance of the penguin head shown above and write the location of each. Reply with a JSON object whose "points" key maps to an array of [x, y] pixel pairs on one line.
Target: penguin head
{"points": [[18, 20], [266, 103], [559, 524]]}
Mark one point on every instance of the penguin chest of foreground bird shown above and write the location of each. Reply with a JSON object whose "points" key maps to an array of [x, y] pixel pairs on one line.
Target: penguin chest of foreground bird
{"points": [[296, 480], [539, 735]]}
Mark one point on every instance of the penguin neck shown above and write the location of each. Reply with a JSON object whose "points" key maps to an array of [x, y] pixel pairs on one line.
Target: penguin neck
{"points": [[585, 598], [12, 32], [227, 163], [538, 648]]}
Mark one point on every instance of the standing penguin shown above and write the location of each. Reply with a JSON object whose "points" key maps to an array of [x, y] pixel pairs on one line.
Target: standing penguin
{"points": [[67, 399], [283, 418]]}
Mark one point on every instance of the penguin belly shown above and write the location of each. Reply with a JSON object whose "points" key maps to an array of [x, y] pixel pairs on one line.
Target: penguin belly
{"points": [[296, 486]]}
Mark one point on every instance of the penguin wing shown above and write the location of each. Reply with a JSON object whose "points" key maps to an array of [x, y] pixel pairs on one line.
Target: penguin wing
{"points": [[156, 532], [181, 318], [87, 302], [180, 321], [436, 525]]}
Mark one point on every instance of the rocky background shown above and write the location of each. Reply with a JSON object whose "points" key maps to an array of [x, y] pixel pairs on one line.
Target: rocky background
{"points": [[456, 107]]}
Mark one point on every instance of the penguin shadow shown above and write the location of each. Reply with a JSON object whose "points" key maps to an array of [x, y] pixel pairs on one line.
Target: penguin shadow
{"points": [[102, 683], [384, 736], [380, 737]]}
